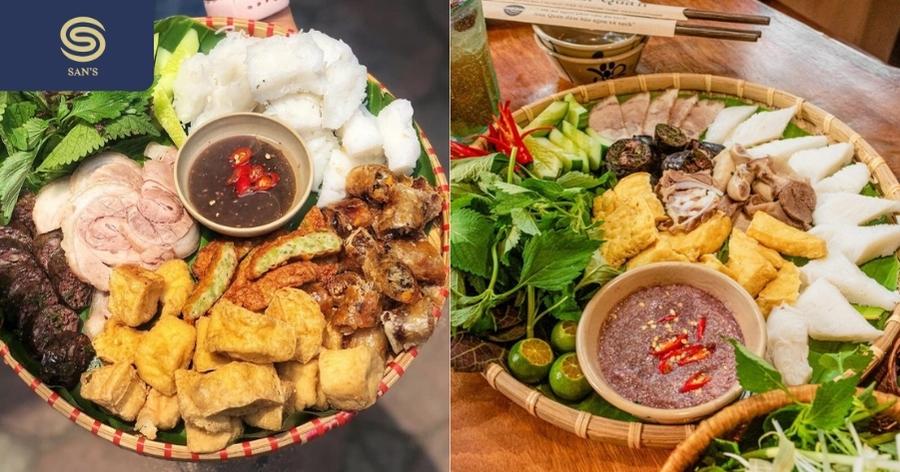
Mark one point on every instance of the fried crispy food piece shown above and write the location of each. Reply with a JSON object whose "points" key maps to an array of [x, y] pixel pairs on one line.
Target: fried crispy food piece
{"points": [[313, 222], [713, 262], [117, 343], [233, 390], [357, 303], [292, 246], [785, 288], [350, 377], [659, 252], [160, 412], [178, 285], [349, 214], [304, 379], [751, 268], [242, 247], [134, 294], [784, 238], [271, 417], [409, 325], [772, 256], [221, 269], [200, 440], [241, 277], [204, 360], [186, 382], [249, 336], [422, 258], [706, 238], [373, 182], [628, 230], [408, 210], [637, 186], [372, 337], [258, 295], [333, 337], [358, 245], [392, 278], [115, 387], [167, 347], [298, 309], [604, 204]]}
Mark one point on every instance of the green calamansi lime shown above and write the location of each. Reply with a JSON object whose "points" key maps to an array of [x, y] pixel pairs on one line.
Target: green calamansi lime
{"points": [[567, 380], [530, 359], [562, 338]]}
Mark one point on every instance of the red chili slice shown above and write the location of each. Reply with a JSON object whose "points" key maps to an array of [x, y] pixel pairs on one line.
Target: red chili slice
{"points": [[695, 381], [266, 182], [256, 172], [670, 345], [670, 317], [461, 151], [241, 156], [696, 353], [701, 327], [665, 366], [242, 186]]}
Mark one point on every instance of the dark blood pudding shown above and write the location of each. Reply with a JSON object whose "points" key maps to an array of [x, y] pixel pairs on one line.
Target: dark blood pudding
{"points": [[667, 347]]}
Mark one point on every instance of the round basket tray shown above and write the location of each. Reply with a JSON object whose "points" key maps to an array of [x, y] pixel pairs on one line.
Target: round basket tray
{"points": [[301, 434], [727, 420], [810, 118]]}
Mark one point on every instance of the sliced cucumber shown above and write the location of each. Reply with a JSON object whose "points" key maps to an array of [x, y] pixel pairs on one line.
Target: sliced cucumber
{"points": [[592, 149], [600, 142], [577, 115], [547, 162], [550, 117], [558, 138], [162, 58], [580, 162]]}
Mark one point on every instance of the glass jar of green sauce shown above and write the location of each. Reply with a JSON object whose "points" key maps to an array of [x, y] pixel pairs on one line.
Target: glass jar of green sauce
{"points": [[473, 83]]}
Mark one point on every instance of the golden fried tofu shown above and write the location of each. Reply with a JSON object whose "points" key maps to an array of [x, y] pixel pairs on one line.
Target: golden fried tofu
{"points": [[271, 417], [234, 389], [713, 262], [134, 294], [332, 338], [304, 378], [167, 347], [115, 387], [178, 285], [637, 186], [117, 343], [750, 267], [784, 238], [659, 252], [772, 256], [785, 288], [706, 238], [222, 266], [630, 229], [201, 440], [349, 377], [187, 382], [249, 336], [204, 360], [160, 412], [298, 309]]}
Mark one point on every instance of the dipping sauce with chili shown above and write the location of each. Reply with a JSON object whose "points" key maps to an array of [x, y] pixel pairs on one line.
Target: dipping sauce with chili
{"points": [[242, 182], [667, 346]]}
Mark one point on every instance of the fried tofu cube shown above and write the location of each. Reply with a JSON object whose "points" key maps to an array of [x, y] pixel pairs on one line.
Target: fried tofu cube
{"points": [[271, 417], [117, 388], [772, 256], [249, 336], [751, 268], [187, 382], [630, 229], [234, 389], [117, 343], [350, 377], [299, 310], [706, 238], [160, 412], [134, 294], [204, 360], [167, 347], [785, 288], [784, 238], [637, 186], [659, 252], [332, 338], [178, 285], [200, 440], [304, 379], [713, 262]]}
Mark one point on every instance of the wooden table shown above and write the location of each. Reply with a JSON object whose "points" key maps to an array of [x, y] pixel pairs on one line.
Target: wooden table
{"points": [[488, 432]]}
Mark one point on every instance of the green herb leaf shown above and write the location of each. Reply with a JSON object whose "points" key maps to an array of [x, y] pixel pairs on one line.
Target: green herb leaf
{"points": [[754, 373], [80, 142], [130, 125], [96, 106], [524, 221], [598, 272], [465, 170], [34, 130], [832, 359], [884, 270], [575, 179], [13, 172], [510, 243], [833, 400], [471, 235], [552, 260]]}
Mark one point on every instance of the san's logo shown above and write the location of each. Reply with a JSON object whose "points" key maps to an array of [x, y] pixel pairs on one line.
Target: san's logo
{"points": [[82, 39]]}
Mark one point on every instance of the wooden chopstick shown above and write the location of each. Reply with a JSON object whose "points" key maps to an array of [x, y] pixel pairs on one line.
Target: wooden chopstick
{"points": [[726, 17], [716, 33]]}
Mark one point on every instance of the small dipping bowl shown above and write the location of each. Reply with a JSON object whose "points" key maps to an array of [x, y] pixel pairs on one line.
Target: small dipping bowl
{"points": [[721, 287], [585, 44], [590, 70], [263, 128]]}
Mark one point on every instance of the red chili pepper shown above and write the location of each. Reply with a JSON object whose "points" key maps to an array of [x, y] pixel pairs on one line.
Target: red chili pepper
{"points": [[668, 346], [695, 381], [256, 172], [670, 317], [266, 182], [665, 366], [504, 135], [696, 353], [241, 156], [701, 327], [460, 151], [242, 185]]}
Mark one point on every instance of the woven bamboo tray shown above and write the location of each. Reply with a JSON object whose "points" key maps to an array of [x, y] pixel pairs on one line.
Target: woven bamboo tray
{"points": [[727, 420], [302, 434], [810, 118]]}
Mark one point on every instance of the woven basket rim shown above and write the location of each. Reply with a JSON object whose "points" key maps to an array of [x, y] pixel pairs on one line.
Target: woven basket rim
{"points": [[810, 117], [301, 434]]}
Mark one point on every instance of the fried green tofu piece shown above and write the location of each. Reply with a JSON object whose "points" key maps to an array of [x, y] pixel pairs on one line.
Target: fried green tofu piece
{"points": [[222, 266], [293, 246]]}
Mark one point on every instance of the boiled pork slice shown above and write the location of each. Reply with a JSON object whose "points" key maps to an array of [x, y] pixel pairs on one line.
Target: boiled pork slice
{"points": [[606, 119], [659, 110], [681, 109], [700, 117]]}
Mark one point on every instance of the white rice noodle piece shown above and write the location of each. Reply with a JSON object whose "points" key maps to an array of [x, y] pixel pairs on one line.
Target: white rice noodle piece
{"points": [[816, 164], [787, 345], [319, 144], [362, 139], [333, 49], [344, 92], [851, 208], [830, 317], [192, 87], [726, 121], [859, 244], [230, 98], [782, 149], [301, 111], [762, 127], [280, 66], [850, 179], [334, 183], [858, 287], [401, 142]]}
